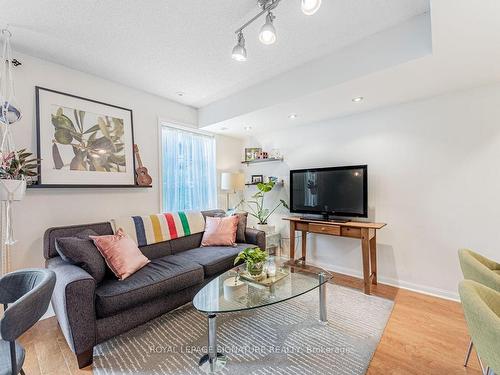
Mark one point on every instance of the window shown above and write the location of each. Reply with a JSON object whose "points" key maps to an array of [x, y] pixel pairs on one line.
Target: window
{"points": [[188, 170]]}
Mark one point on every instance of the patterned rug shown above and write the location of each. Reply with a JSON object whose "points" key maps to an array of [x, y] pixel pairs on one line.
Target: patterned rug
{"points": [[284, 338]]}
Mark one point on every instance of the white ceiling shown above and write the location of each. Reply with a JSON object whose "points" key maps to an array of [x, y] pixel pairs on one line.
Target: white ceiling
{"points": [[463, 51], [164, 47]]}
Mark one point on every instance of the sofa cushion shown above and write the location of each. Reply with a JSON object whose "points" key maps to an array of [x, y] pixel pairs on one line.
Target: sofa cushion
{"points": [[242, 226], [157, 250], [220, 231], [121, 253], [242, 222], [81, 251], [214, 259], [161, 276], [186, 243]]}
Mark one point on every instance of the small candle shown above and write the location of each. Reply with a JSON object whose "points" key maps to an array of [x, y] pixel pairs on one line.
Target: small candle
{"points": [[233, 288]]}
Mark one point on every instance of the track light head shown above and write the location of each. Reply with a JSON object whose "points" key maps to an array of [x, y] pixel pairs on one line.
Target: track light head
{"points": [[267, 33], [309, 7], [239, 50]]}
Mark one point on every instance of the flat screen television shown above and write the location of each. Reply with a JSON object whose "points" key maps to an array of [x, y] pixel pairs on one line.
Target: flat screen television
{"points": [[336, 191]]}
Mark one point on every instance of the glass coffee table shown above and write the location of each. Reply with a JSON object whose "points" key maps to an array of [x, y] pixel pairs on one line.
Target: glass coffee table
{"points": [[230, 292]]}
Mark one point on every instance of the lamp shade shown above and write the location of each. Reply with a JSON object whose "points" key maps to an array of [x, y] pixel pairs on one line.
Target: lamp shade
{"points": [[232, 181], [226, 181], [239, 181]]}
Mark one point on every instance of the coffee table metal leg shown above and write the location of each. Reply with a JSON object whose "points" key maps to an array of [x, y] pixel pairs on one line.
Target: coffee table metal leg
{"points": [[212, 361], [323, 319]]}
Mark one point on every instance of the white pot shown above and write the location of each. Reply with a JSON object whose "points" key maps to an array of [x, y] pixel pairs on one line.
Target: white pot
{"points": [[13, 190], [265, 228]]}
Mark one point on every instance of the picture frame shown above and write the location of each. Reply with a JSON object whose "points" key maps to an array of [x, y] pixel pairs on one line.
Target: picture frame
{"points": [[82, 142], [257, 178], [273, 179], [252, 153]]}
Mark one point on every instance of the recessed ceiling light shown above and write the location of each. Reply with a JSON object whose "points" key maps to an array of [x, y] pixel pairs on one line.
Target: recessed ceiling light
{"points": [[357, 99], [247, 128], [292, 116], [180, 93]]}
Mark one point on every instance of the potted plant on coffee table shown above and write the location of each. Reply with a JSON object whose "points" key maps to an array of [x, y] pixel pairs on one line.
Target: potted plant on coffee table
{"points": [[255, 206], [254, 258]]}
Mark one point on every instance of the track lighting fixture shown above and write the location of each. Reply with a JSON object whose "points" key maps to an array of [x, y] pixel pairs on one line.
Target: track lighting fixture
{"points": [[239, 50], [267, 34], [309, 7]]}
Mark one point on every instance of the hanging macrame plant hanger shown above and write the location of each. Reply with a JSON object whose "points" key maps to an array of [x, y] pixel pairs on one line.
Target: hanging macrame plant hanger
{"points": [[11, 190]]}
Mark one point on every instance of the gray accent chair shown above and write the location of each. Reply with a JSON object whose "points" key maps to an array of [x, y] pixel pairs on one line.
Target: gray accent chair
{"points": [[89, 312], [25, 295]]}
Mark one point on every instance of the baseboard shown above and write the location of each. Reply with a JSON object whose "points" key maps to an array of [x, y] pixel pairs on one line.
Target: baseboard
{"points": [[424, 289]]}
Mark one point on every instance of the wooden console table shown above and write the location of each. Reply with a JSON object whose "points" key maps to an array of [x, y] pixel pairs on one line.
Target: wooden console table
{"points": [[366, 232]]}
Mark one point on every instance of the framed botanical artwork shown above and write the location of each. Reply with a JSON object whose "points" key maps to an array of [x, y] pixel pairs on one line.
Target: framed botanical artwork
{"points": [[83, 142], [252, 153]]}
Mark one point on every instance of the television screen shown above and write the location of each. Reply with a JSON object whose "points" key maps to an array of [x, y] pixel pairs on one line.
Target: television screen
{"points": [[338, 191]]}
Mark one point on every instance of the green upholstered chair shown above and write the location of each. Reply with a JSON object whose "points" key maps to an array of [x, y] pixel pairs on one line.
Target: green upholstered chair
{"points": [[482, 270], [478, 268], [482, 312]]}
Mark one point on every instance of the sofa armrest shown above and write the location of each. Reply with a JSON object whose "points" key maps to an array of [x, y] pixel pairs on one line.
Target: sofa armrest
{"points": [[256, 237], [73, 301]]}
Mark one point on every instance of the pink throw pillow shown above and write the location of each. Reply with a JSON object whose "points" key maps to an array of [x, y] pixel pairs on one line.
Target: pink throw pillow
{"points": [[220, 231], [120, 253]]}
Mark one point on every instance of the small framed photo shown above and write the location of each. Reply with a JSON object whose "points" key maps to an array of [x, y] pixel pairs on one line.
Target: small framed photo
{"points": [[257, 178], [252, 153]]}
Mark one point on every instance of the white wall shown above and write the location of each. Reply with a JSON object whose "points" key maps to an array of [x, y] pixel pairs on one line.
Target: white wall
{"points": [[43, 208], [434, 178], [229, 156]]}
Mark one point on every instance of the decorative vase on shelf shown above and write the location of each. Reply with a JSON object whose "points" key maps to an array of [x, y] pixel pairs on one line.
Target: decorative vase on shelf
{"points": [[255, 269], [12, 190], [265, 228]]}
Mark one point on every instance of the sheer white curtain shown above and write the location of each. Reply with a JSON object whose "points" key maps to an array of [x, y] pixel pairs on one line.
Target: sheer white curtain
{"points": [[189, 170]]}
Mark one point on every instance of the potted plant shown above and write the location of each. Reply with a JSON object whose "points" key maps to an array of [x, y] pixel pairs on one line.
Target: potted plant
{"points": [[16, 167], [256, 206], [254, 258]]}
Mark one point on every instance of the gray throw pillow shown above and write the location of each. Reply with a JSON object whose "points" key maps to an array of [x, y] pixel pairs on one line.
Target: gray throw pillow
{"points": [[242, 226], [81, 251]]}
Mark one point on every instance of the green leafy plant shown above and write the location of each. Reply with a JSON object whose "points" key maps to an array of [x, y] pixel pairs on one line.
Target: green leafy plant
{"points": [[254, 257], [96, 147], [16, 165], [255, 205]]}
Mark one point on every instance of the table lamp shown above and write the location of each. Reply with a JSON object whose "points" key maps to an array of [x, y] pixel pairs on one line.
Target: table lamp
{"points": [[230, 183]]}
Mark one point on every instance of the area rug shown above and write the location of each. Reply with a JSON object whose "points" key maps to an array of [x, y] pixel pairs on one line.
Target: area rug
{"points": [[284, 338]]}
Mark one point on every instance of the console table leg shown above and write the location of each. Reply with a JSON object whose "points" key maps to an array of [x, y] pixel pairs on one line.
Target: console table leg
{"points": [[304, 246], [212, 361], [323, 318], [292, 240], [365, 246], [373, 257]]}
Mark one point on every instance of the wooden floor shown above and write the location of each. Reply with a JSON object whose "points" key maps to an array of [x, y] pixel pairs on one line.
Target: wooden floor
{"points": [[424, 335]]}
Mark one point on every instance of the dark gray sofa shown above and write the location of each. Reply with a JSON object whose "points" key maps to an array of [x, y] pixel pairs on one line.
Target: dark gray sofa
{"points": [[90, 313]]}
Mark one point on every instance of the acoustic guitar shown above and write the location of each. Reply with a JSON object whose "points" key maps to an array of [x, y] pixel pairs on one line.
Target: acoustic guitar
{"points": [[143, 177]]}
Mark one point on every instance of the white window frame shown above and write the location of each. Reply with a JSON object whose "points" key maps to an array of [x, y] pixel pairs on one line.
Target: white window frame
{"points": [[162, 122]]}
